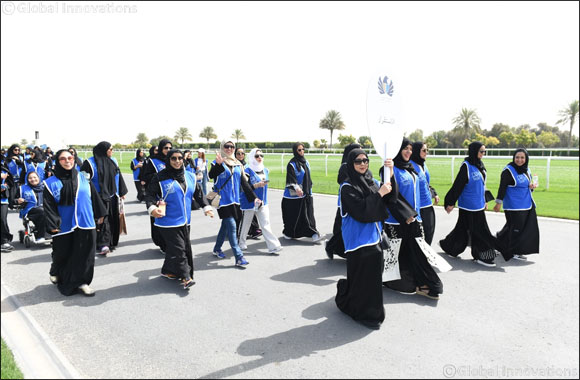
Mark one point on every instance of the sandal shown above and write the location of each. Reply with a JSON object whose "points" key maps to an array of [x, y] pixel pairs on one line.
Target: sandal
{"points": [[426, 292], [187, 283]]}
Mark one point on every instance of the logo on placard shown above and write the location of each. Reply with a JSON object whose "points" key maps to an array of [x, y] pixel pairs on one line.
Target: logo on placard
{"points": [[386, 86]]}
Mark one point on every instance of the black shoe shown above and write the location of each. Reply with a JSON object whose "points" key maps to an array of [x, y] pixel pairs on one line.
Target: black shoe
{"points": [[373, 325]]}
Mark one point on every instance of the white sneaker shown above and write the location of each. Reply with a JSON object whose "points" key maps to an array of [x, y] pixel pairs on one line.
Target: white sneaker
{"points": [[243, 247], [316, 238], [486, 263], [54, 279], [86, 290], [41, 240], [520, 257], [275, 250], [287, 237]]}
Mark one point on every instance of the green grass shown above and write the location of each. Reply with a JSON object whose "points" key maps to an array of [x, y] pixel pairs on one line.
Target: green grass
{"points": [[9, 368], [560, 200]]}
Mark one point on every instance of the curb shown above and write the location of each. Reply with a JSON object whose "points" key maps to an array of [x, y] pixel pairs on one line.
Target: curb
{"points": [[35, 354]]}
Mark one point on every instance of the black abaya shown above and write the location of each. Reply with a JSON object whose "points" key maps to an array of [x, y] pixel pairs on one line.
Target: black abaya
{"points": [[178, 255], [298, 217], [428, 222], [520, 235]]}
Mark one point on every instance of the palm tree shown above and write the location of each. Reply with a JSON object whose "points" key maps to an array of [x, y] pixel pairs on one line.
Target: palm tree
{"points": [[208, 133], [569, 114], [238, 135], [331, 122], [467, 121], [183, 134]]}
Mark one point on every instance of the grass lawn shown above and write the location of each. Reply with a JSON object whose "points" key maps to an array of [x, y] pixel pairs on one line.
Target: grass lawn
{"points": [[9, 368], [560, 200]]}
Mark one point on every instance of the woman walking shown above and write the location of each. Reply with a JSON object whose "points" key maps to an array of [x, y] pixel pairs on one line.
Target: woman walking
{"points": [[7, 196], [362, 204], [520, 236], [258, 178], [72, 204], [136, 165], [468, 191], [297, 201], [417, 274], [105, 174], [426, 191], [335, 246], [176, 187], [200, 164], [229, 180]]}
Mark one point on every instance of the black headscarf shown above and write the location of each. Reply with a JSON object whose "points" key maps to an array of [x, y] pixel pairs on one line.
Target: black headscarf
{"points": [[68, 179], [160, 152], [11, 154], [362, 182], [138, 156], [78, 161], [399, 162], [342, 174], [416, 156], [106, 169], [520, 169], [170, 172], [38, 156], [243, 160], [152, 151], [300, 161], [473, 151]]}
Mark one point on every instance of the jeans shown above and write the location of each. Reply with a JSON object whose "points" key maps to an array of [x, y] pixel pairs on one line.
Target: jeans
{"points": [[228, 227]]}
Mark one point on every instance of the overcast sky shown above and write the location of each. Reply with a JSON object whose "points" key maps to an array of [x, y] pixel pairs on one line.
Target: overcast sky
{"points": [[108, 71]]}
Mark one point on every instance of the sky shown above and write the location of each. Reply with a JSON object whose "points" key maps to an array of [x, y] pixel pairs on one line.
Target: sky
{"points": [[84, 72]]}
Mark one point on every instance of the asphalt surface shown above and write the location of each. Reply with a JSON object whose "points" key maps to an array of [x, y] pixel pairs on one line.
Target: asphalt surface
{"points": [[277, 317]]}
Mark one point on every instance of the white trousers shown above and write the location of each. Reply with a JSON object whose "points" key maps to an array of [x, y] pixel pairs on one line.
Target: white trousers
{"points": [[263, 215]]}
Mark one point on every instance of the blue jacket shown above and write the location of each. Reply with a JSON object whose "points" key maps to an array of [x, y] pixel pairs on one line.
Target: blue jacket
{"points": [[261, 192], [518, 196], [230, 193], [472, 197], [29, 196], [178, 208], [424, 179], [299, 172], [409, 188], [95, 177]]}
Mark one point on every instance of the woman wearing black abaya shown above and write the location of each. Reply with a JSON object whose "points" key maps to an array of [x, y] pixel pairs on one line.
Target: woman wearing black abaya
{"points": [[417, 274], [254, 232], [468, 191], [71, 206], [176, 187], [106, 176], [335, 246], [78, 161], [155, 163], [297, 201], [426, 191], [362, 204], [136, 165], [520, 235], [37, 163], [15, 164]]}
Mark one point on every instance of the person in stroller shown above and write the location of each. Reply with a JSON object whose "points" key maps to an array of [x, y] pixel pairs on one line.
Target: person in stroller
{"points": [[30, 199]]}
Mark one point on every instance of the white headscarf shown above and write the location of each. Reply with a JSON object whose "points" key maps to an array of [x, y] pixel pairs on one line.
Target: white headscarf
{"points": [[253, 163]]}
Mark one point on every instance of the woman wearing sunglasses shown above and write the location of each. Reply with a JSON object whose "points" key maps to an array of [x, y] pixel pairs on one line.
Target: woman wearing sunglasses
{"points": [[105, 174], [468, 191], [426, 191], [362, 204], [297, 201], [229, 181], [176, 187], [417, 275], [258, 178], [15, 164], [71, 206]]}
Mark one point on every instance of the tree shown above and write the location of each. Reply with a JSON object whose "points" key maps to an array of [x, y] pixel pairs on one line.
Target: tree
{"points": [[525, 138], [467, 121], [548, 139], [416, 135], [507, 138], [431, 142], [183, 135], [238, 135], [155, 141], [365, 142], [208, 134], [331, 122], [23, 142], [316, 143], [498, 128], [345, 140], [568, 115], [323, 144], [141, 139]]}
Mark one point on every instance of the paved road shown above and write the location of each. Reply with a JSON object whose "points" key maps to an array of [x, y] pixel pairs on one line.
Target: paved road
{"points": [[277, 317]]}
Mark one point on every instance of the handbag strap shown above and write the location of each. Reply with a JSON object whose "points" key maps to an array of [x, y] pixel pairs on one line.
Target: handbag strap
{"points": [[226, 182]]}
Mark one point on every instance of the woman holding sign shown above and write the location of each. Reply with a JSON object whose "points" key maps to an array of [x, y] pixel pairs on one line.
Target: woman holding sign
{"points": [[362, 205], [177, 187], [416, 273], [468, 191], [520, 235], [297, 201]]}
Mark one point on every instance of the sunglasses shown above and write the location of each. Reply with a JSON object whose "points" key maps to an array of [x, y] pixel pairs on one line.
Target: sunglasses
{"points": [[425, 150], [176, 158], [16, 150], [483, 151], [166, 147], [360, 162], [259, 156], [70, 158], [229, 147], [300, 150], [241, 153]]}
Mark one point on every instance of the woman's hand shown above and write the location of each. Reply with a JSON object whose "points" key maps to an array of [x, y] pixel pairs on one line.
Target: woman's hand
{"points": [[410, 220], [257, 202], [157, 213], [20, 200], [299, 192], [436, 199], [389, 164], [218, 158], [101, 220], [497, 207], [385, 189], [209, 213], [449, 209]]}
